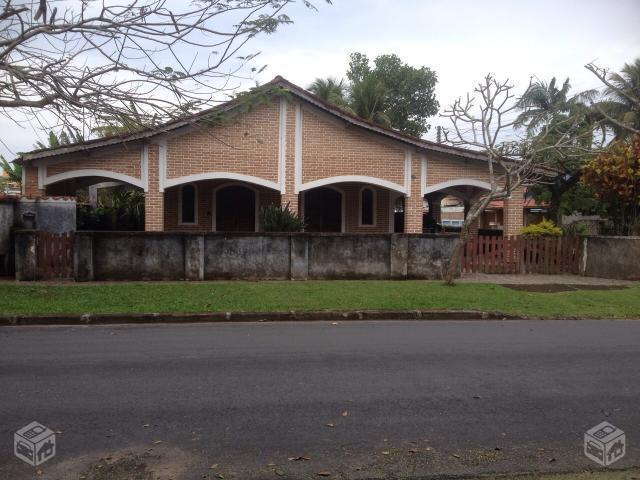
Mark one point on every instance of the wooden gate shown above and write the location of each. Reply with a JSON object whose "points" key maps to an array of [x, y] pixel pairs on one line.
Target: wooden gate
{"points": [[55, 255], [519, 254]]}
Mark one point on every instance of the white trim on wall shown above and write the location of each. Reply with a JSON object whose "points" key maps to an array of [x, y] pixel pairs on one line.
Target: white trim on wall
{"points": [[352, 178], [282, 147], [457, 182], [195, 204], [423, 175], [42, 175], [91, 172], [221, 175], [235, 184], [144, 166], [407, 173], [374, 204], [162, 165], [298, 150]]}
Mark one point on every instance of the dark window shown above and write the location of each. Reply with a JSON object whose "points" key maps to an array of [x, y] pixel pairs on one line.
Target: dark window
{"points": [[366, 206], [188, 204]]}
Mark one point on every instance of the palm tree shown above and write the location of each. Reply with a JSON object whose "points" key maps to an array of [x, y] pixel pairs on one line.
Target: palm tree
{"points": [[64, 138], [329, 89], [542, 102], [12, 169], [367, 100], [618, 105]]}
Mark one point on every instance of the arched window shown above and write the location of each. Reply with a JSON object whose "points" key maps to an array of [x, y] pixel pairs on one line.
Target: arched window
{"points": [[367, 207], [188, 206]]}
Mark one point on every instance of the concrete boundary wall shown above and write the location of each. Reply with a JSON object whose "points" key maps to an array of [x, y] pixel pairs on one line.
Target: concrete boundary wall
{"points": [[257, 256], [611, 257]]}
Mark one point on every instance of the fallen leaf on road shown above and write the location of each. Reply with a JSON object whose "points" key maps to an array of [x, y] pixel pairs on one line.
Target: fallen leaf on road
{"points": [[385, 452], [324, 474], [297, 459], [271, 464], [213, 467], [157, 442], [279, 472], [146, 425], [552, 459], [345, 414], [331, 425], [413, 450], [334, 323], [455, 455], [477, 397]]}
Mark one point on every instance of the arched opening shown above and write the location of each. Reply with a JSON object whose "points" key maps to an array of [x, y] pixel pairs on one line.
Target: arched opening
{"points": [[323, 210], [188, 205], [235, 209], [102, 202], [367, 207]]}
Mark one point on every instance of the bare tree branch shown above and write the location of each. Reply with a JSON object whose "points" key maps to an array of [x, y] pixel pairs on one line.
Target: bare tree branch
{"points": [[102, 57]]}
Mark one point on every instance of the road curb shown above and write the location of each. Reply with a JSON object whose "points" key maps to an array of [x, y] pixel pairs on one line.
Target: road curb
{"points": [[217, 317]]}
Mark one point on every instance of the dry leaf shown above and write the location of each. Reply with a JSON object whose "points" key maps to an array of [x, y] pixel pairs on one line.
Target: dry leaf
{"points": [[331, 425], [324, 474], [345, 413], [146, 425], [456, 455], [213, 467], [413, 450], [157, 442], [385, 452]]}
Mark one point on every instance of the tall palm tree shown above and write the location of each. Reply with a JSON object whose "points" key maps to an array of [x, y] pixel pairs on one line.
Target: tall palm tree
{"points": [[367, 100], [542, 102], [329, 89], [618, 105], [56, 140]]}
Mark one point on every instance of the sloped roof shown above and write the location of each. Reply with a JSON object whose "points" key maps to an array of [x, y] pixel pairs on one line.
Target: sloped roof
{"points": [[278, 81]]}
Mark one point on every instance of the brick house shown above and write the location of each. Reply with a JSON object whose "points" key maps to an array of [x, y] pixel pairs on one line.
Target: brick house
{"points": [[215, 171]]}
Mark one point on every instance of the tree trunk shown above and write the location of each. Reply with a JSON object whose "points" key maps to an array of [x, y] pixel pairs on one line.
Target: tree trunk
{"points": [[454, 261]]}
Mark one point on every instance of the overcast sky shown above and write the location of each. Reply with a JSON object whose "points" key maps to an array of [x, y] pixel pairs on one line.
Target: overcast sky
{"points": [[461, 40]]}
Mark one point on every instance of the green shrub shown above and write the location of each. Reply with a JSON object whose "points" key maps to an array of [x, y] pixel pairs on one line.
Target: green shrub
{"points": [[279, 219], [576, 229], [546, 228]]}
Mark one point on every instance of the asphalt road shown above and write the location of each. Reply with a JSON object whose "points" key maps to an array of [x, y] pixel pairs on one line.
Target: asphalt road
{"points": [[356, 400]]}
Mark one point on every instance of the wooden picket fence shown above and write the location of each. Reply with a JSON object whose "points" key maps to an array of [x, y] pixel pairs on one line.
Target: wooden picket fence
{"points": [[55, 255], [520, 254]]}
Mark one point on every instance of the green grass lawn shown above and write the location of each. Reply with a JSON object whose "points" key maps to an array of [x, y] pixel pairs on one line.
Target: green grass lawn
{"points": [[311, 295]]}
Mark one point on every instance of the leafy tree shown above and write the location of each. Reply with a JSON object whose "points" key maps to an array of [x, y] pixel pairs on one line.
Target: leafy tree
{"points": [[410, 98], [389, 92], [615, 177]]}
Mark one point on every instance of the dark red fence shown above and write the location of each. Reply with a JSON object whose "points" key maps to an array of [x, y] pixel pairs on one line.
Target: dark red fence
{"points": [[519, 254], [55, 255]]}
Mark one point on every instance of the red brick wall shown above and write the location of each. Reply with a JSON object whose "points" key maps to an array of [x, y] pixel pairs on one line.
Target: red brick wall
{"points": [[248, 145], [331, 149], [120, 159]]}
